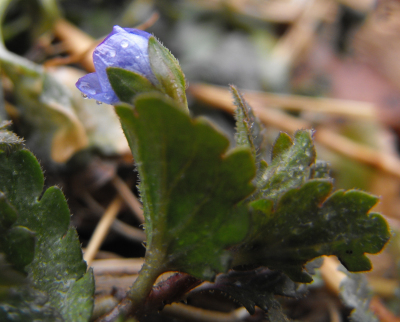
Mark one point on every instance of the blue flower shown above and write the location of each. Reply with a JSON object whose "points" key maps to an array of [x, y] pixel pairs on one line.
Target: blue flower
{"points": [[125, 48]]}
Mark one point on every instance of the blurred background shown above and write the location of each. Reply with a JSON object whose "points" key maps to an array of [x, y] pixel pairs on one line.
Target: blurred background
{"points": [[331, 65]]}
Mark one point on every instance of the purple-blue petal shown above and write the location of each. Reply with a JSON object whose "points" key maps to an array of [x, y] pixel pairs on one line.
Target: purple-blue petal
{"points": [[90, 86], [126, 48]]}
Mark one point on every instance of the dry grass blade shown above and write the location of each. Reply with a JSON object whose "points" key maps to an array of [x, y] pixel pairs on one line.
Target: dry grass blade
{"points": [[101, 230], [130, 199], [117, 266], [297, 103], [132, 233]]}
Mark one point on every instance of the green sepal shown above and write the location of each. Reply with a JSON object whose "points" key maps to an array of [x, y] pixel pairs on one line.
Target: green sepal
{"points": [[168, 72], [191, 186], [127, 84], [306, 224]]}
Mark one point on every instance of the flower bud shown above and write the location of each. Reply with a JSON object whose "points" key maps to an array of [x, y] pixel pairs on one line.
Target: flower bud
{"points": [[129, 62], [124, 48]]}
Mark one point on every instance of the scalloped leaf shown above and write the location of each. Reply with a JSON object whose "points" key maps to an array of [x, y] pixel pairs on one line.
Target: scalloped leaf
{"points": [[18, 300], [191, 186], [9, 141], [57, 270], [306, 224]]}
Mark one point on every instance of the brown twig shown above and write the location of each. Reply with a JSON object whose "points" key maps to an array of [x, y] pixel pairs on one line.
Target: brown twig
{"points": [[101, 230], [383, 161], [77, 43]]}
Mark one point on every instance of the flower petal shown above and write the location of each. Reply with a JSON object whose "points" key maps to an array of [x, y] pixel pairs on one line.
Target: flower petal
{"points": [[90, 86], [127, 50]]}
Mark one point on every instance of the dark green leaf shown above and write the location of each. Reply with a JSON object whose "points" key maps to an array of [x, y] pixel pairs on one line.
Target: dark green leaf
{"points": [[191, 186], [306, 224], [16, 242], [355, 294], [168, 72], [250, 132], [254, 288], [8, 277], [19, 246], [25, 303], [127, 84], [57, 270]]}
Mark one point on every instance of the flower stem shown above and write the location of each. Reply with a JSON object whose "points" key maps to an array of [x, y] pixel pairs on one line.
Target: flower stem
{"points": [[134, 303], [141, 288]]}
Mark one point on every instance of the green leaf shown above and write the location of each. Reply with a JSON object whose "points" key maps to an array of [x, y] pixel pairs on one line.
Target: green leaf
{"points": [[168, 72], [292, 165], [8, 277], [355, 294], [127, 84], [306, 224], [9, 141], [28, 304], [57, 270], [250, 132], [18, 300], [191, 186], [282, 144]]}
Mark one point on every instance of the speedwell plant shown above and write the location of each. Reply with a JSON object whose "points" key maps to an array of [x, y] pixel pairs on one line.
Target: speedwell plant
{"points": [[250, 227]]}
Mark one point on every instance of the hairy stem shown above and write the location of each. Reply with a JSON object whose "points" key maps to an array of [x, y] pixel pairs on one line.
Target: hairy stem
{"points": [[133, 304], [141, 288]]}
